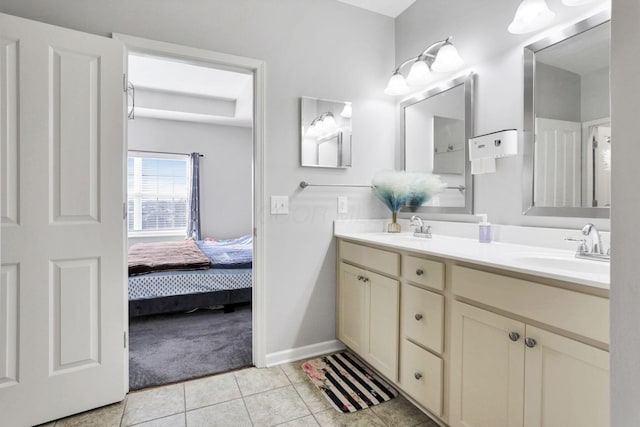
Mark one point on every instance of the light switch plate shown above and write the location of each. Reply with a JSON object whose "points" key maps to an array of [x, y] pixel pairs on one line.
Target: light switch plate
{"points": [[279, 205], [343, 206]]}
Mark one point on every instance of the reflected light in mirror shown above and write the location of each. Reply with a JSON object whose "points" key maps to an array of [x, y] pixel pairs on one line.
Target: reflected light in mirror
{"points": [[347, 111], [532, 15]]}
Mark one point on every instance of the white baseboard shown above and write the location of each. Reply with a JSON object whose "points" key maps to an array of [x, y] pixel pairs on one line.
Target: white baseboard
{"points": [[306, 352]]}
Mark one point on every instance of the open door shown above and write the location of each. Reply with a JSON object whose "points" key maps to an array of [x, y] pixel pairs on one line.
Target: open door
{"points": [[62, 283]]}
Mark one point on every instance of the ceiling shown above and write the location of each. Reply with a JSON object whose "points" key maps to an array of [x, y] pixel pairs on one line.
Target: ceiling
{"points": [[181, 81], [391, 8]]}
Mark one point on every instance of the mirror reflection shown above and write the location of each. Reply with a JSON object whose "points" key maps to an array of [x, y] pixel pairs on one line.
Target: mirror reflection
{"points": [[326, 133], [571, 122], [436, 127]]}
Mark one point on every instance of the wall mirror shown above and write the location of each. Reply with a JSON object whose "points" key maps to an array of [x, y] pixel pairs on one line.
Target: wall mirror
{"points": [[435, 127], [325, 140], [567, 152]]}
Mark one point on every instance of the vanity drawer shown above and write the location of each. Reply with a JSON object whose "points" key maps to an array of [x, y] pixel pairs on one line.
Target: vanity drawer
{"points": [[583, 314], [374, 259], [422, 316], [421, 376], [423, 272]]}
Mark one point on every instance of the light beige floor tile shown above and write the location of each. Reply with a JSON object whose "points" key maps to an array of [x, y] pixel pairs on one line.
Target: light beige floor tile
{"points": [[254, 380], [400, 412], [107, 416], [315, 400], [177, 420], [155, 403], [363, 418], [308, 421], [275, 406], [294, 372], [211, 390], [232, 413]]}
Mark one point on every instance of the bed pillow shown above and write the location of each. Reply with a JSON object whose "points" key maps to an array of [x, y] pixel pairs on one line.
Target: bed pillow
{"points": [[232, 253]]}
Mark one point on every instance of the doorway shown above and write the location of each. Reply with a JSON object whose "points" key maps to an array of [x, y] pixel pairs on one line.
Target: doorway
{"points": [[228, 99]]}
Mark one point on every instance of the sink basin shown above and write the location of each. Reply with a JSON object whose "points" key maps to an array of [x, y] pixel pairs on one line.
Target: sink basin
{"points": [[558, 262]]}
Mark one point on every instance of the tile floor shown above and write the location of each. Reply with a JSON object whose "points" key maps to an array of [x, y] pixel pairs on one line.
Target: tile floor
{"points": [[279, 396]]}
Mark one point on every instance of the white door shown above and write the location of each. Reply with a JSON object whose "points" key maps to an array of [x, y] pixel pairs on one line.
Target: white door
{"points": [[351, 308], [62, 287], [558, 163]]}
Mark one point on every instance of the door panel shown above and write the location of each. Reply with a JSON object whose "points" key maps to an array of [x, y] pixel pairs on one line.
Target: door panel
{"points": [[487, 369], [383, 308], [63, 293], [351, 308]]}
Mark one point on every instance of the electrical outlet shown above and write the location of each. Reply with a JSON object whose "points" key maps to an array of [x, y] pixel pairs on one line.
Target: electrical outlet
{"points": [[343, 207], [279, 205]]}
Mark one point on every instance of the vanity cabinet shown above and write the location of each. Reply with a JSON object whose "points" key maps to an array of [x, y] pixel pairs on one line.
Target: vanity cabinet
{"points": [[509, 373], [368, 307]]}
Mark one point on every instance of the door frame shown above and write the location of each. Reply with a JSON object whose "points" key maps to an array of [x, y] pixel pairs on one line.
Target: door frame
{"points": [[257, 69]]}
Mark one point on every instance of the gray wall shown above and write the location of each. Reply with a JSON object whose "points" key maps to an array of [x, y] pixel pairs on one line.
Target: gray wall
{"points": [[557, 93], [625, 269], [595, 95], [226, 197], [496, 57], [319, 48]]}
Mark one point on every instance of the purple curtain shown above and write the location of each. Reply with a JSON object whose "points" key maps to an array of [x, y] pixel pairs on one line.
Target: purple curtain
{"points": [[193, 226]]}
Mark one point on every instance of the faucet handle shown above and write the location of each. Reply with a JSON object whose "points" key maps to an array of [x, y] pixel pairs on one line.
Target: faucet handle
{"points": [[582, 247]]}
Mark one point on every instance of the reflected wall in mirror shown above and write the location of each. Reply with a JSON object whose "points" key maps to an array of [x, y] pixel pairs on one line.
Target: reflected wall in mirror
{"points": [[326, 133], [435, 127], [567, 120]]}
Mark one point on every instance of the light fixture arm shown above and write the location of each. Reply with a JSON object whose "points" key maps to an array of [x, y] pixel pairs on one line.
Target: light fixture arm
{"points": [[425, 53]]}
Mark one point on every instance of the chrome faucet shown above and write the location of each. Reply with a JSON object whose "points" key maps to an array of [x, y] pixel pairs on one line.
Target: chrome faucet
{"points": [[594, 252], [596, 243], [421, 230]]}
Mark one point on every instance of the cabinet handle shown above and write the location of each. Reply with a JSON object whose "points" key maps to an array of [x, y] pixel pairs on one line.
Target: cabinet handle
{"points": [[514, 336], [417, 375], [418, 316], [419, 272], [360, 277], [366, 279], [530, 342]]}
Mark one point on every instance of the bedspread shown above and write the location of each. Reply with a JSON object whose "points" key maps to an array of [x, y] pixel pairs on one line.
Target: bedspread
{"points": [[149, 257]]}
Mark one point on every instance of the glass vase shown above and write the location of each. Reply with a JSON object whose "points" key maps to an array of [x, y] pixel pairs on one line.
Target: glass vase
{"points": [[394, 226]]}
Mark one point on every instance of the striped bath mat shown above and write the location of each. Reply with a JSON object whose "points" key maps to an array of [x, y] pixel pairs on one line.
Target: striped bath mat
{"points": [[347, 384]]}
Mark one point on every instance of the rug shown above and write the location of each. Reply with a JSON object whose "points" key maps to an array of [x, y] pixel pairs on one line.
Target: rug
{"points": [[167, 348], [346, 383]]}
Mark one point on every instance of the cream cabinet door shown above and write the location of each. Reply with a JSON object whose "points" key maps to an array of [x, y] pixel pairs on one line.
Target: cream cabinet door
{"points": [[383, 326], [351, 308], [487, 369], [567, 382]]}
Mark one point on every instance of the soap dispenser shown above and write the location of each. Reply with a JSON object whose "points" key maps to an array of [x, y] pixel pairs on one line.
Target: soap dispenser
{"points": [[484, 229]]}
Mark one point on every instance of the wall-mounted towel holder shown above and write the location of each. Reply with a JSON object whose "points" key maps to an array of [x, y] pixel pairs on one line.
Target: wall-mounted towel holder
{"points": [[305, 184]]}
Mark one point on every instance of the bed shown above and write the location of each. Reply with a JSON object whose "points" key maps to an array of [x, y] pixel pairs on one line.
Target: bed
{"points": [[181, 276]]}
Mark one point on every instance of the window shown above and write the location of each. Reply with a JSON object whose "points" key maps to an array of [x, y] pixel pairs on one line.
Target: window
{"points": [[158, 195]]}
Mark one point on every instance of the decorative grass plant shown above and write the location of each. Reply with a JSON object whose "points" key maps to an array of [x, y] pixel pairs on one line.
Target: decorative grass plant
{"points": [[399, 188]]}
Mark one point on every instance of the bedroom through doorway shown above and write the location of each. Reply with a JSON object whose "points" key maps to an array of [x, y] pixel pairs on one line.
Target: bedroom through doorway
{"points": [[189, 219]]}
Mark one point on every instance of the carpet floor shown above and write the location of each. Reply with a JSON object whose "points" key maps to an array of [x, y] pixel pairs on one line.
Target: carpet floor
{"points": [[173, 347]]}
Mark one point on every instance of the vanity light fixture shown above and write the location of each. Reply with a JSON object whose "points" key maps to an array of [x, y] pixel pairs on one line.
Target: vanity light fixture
{"points": [[532, 15], [578, 2], [347, 111], [322, 125], [441, 57]]}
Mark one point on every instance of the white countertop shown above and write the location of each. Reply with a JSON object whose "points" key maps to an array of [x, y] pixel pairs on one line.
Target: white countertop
{"points": [[552, 263]]}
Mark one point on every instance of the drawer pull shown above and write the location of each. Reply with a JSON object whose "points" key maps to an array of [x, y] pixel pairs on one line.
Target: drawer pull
{"points": [[530, 342], [514, 336], [419, 272], [418, 316], [417, 375]]}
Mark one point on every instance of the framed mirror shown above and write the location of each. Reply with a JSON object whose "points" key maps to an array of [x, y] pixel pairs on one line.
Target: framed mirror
{"points": [[567, 130], [325, 139], [435, 127]]}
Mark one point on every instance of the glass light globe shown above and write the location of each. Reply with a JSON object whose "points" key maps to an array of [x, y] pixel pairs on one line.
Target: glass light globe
{"points": [[397, 85], [447, 59], [329, 123], [532, 15], [419, 74], [347, 111]]}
